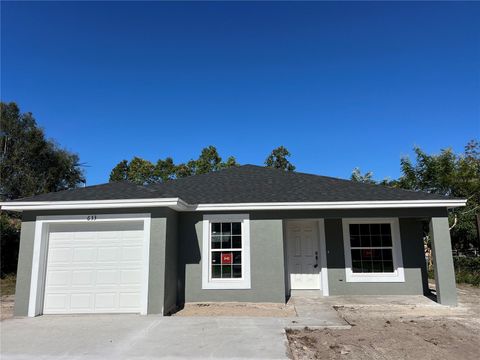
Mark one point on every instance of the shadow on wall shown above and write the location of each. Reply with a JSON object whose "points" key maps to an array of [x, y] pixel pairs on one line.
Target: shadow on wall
{"points": [[189, 252]]}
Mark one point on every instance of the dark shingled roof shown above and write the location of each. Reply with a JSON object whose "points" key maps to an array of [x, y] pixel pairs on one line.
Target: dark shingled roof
{"points": [[108, 191], [243, 184], [254, 184]]}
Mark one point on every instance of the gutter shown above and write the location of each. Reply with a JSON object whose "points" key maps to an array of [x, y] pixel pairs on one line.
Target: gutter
{"points": [[180, 205]]}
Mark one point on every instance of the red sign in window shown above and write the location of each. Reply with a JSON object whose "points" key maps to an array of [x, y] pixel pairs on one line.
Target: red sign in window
{"points": [[226, 258], [367, 253]]}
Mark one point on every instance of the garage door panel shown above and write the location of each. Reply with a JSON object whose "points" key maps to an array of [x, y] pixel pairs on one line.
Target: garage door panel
{"points": [[107, 277], [60, 255], [129, 300], [58, 278], [132, 253], [82, 277], [108, 254], [106, 301], [55, 303], [94, 268], [81, 302], [132, 276], [85, 254]]}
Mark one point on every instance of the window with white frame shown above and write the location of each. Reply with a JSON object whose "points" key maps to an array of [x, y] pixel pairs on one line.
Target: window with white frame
{"points": [[372, 250], [226, 252]]}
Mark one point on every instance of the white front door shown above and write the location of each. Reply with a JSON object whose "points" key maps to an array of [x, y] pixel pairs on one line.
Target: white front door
{"points": [[94, 268], [303, 254]]}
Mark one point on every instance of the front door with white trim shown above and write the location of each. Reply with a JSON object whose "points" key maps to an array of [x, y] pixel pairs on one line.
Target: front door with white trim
{"points": [[303, 254]]}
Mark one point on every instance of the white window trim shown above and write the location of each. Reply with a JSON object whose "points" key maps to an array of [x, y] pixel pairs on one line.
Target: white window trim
{"points": [[397, 276], [40, 247], [240, 283]]}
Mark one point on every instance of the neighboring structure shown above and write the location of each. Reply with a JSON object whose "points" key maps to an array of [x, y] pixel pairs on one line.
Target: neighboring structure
{"points": [[242, 234]]}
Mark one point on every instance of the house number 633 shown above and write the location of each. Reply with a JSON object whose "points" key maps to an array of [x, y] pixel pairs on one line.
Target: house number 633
{"points": [[91, 217]]}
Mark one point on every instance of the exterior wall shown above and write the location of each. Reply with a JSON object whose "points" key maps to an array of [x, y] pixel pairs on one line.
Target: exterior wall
{"points": [[411, 234], [171, 262], [443, 262], [24, 268], [269, 283], [162, 246], [266, 263], [162, 294], [175, 264]]}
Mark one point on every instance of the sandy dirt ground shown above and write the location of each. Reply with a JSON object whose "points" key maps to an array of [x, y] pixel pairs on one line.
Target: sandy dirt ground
{"points": [[238, 309], [397, 332], [6, 306]]}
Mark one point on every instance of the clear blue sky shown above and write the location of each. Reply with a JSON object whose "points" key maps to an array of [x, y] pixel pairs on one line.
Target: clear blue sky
{"points": [[339, 84]]}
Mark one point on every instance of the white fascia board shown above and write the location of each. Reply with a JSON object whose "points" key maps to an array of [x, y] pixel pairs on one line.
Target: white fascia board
{"points": [[173, 203], [330, 205], [180, 205]]}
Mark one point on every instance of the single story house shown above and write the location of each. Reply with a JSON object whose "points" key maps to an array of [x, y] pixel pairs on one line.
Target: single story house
{"points": [[246, 233]]}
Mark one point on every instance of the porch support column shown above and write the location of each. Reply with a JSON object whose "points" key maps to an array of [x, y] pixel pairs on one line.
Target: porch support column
{"points": [[443, 261]]}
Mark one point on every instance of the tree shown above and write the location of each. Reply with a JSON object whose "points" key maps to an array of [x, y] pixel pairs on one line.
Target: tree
{"points": [[208, 161], [119, 172], [451, 175], [142, 171], [29, 165], [231, 162], [278, 159], [365, 178], [448, 174], [183, 170], [165, 170]]}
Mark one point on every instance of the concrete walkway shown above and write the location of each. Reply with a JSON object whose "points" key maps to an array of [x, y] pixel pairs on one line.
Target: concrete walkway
{"points": [[142, 337], [153, 337]]}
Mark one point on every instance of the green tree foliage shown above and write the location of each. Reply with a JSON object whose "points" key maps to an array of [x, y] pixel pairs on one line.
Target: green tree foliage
{"points": [[449, 174], [208, 161], [365, 178], [456, 175], [184, 170], [142, 171], [231, 162], [278, 159], [120, 171], [165, 170], [30, 165]]}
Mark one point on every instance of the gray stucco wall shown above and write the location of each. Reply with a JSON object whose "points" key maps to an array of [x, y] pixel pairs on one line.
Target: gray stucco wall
{"points": [[175, 274], [266, 263], [24, 269], [162, 246], [411, 234], [171, 263], [443, 262]]}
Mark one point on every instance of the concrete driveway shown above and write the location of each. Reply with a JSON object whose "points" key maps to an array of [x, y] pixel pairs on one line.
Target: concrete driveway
{"points": [[142, 337]]}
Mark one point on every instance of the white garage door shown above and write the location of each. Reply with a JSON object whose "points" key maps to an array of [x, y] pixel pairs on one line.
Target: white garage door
{"points": [[94, 268]]}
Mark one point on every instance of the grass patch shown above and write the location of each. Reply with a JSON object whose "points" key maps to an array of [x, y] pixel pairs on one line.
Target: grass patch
{"points": [[7, 285]]}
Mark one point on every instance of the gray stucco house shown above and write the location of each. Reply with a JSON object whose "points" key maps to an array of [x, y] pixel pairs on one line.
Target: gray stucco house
{"points": [[241, 234]]}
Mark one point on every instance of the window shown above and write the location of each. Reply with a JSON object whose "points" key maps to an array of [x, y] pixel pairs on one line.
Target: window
{"points": [[372, 250], [226, 252]]}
